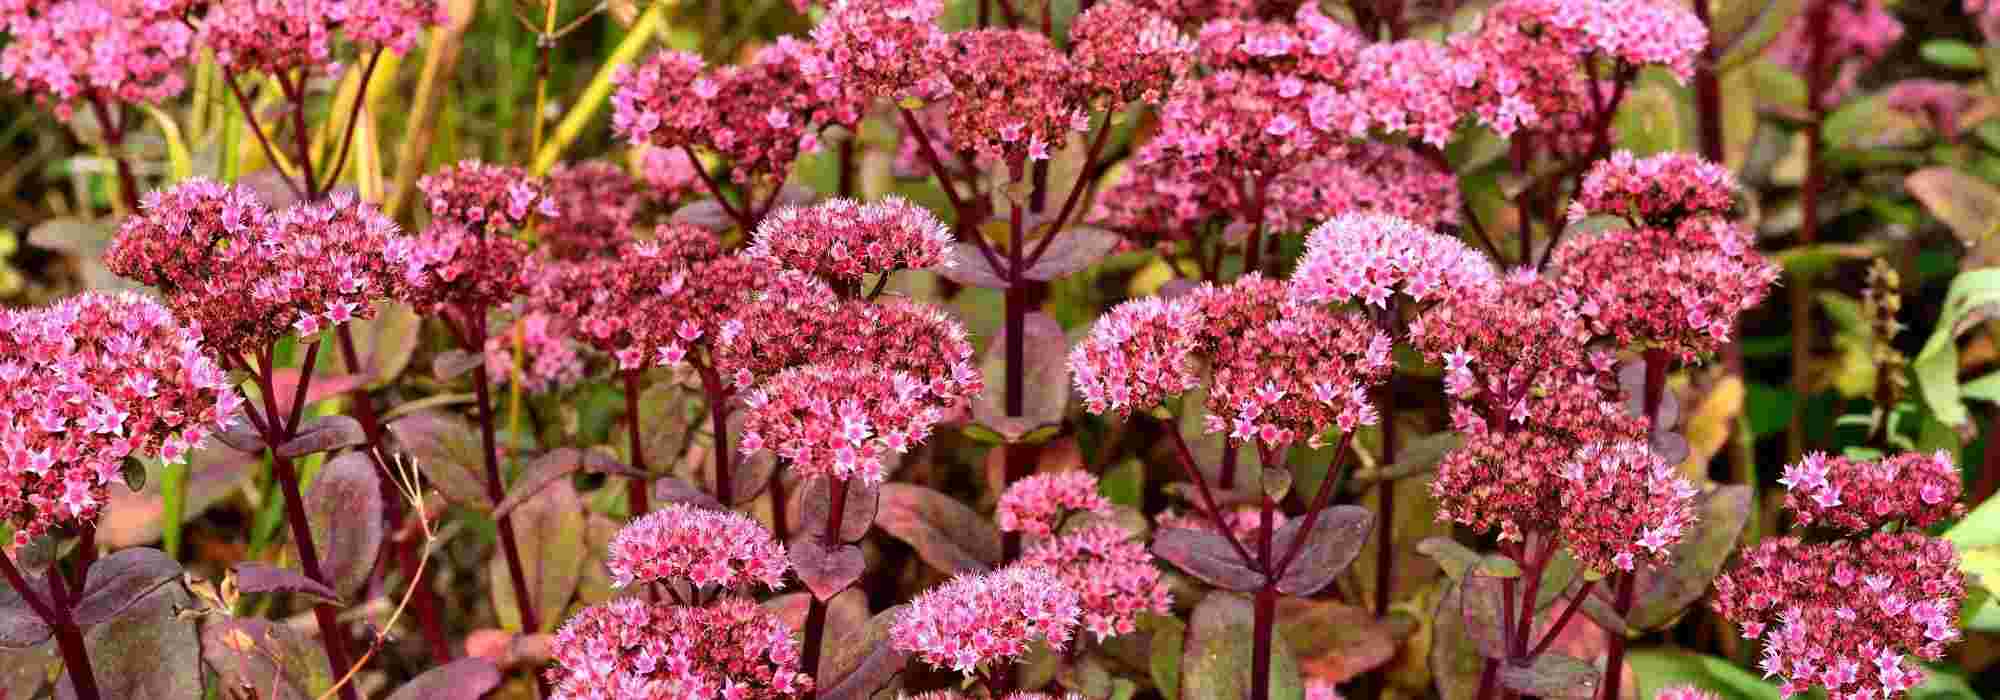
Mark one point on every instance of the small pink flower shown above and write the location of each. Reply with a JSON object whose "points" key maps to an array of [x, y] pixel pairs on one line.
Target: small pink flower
{"points": [[974, 621], [628, 648], [1037, 505], [1856, 496], [842, 240], [1112, 573], [682, 543], [1350, 257], [806, 416]]}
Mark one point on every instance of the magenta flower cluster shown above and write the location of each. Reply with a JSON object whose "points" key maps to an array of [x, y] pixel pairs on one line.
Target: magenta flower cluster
{"points": [[680, 543], [973, 622], [759, 116], [90, 382], [841, 240], [627, 648], [1623, 504], [1367, 258], [1851, 495], [486, 198], [1037, 505], [277, 36], [123, 51], [1113, 575], [1658, 190], [840, 421]]}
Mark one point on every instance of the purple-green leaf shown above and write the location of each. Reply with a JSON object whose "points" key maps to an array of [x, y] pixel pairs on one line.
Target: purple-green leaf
{"points": [[147, 651], [1046, 380], [344, 510], [667, 490], [1663, 592], [259, 577], [862, 506], [1216, 656], [1207, 556], [826, 571], [946, 533], [20, 627], [451, 364], [322, 434], [861, 662], [447, 449], [1332, 545], [557, 464], [551, 530], [1551, 675], [276, 661], [120, 580], [465, 679]]}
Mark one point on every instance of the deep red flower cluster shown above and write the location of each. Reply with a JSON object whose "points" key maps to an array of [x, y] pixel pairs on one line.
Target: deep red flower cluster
{"points": [[760, 116], [596, 205], [486, 198], [1698, 278]]}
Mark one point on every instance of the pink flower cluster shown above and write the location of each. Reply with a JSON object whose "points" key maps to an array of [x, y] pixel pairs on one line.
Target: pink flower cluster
{"points": [[89, 382], [1685, 692], [115, 50], [1137, 355], [702, 308], [1284, 374], [1190, 13], [612, 299], [1531, 55], [244, 276], [1364, 177], [1037, 505], [1859, 33], [1658, 190], [1231, 125], [1313, 45], [277, 36], [451, 266], [1112, 573], [1369, 257], [973, 621], [1244, 522], [627, 648], [759, 116], [1622, 504], [1412, 87], [1011, 98], [596, 205], [682, 543], [669, 173], [1698, 279], [486, 198], [841, 240], [551, 356], [838, 421], [797, 319], [1856, 496], [1123, 53], [1846, 615], [883, 48]]}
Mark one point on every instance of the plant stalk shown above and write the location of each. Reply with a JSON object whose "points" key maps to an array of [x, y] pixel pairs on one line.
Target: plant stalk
{"points": [[635, 489], [815, 627], [497, 491]]}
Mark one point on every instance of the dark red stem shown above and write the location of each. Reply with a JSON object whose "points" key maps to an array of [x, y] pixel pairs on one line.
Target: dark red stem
{"points": [[815, 628], [1614, 660], [496, 490], [718, 414], [635, 489], [114, 135], [257, 128], [69, 637], [353, 117], [1264, 616]]}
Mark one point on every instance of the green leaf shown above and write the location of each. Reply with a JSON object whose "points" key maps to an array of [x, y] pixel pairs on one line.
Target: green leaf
{"points": [[1165, 660], [1974, 297], [550, 530], [1216, 662], [1662, 668], [1650, 120], [1952, 53]]}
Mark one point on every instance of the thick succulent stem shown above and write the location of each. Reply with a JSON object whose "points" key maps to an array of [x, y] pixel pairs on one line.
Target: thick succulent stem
{"points": [[496, 491], [815, 628], [635, 489]]}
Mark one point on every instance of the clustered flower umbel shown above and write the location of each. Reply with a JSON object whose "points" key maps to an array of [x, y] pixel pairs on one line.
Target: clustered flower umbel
{"points": [[278, 36], [759, 116], [244, 276], [1531, 53], [616, 301], [1859, 33], [551, 357], [797, 319], [1112, 573], [1037, 504], [486, 198], [1282, 373], [122, 51], [1622, 504], [973, 621], [838, 420], [1368, 258], [1846, 614], [1657, 190], [596, 203], [841, 240], [682, 543], [91, 381], [732, 648], [1698, 278]]}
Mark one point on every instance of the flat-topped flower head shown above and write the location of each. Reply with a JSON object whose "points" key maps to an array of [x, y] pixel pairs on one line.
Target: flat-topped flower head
{"points": [[798, 320], [1531, 55], [1685, 692], [838, 420], [551, 357], [972, 622], [1846, 615], [1410, 87], [1658, 190], [628, 649], [276, 37], [486, 198], [1622, 506], [1856, 496], [841, 240], [1112, 573], [247, 277], [1687, 296], [1284, 374], [1194, 13], [89, 382], [596, 205], [759, 116], [920, 339], [1365, 177], [1504, 480], [1037, 505], [1123, 53], [1368, 258], [451, 266], [701, 309], [884, 49], [66, 51], [1137, 355], [1239, 124], [1312, 45], [1157, 202], [609, 299], [1012, 97], [680, 543]]}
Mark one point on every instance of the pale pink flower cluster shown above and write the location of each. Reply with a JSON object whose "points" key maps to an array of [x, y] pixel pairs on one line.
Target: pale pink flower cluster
{"points": [[1323, 689], [669, 173], [626, 649], [883, 48], [245, 276], [1657, 190], [1112, 573], [1852, 495], [973, 621], [1037, 505], [1621, 505], [1846, 615], [61, 51], [1859, 33], [1412, 87], [680, 543], [843, 240], [1313, 45], [1137, 355], [89, 382], [839, 421], [1239, 124], [1367, 258], [276, 36]]}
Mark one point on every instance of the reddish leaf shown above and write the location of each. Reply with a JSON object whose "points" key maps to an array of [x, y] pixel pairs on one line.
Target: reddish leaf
{"points": [[667, 489], [450, 364], [344, 510], [1076, 248], [1046, 380], [748, 476], [242, 436], [557, 464], [285, 383], [147, 651], [1334, 641], [1333, 543], [20, 627], [826, 572], [551, 528], [448, 451], [25, 672], [1207, 556], [947, 534], [118, 581], [258, 577], [1552, 675], [706, 213], [862, 662], [464, 679], [862, 507], [1217, 654], [383, 345], [847, 611], [323, 434]]}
